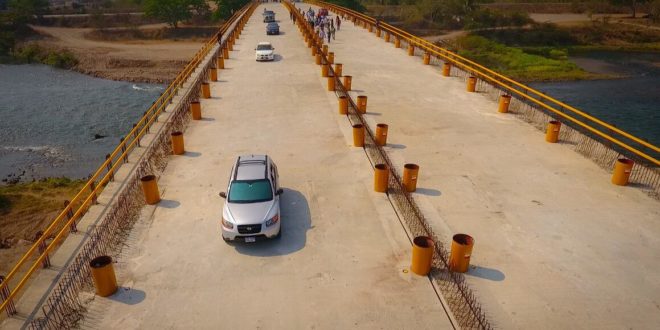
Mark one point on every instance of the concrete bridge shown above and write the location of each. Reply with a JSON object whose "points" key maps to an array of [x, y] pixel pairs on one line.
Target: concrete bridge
{"points": [[557, 244]]}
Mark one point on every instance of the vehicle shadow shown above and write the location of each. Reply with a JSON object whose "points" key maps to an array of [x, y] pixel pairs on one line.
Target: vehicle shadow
{"points": [[296, 221]]}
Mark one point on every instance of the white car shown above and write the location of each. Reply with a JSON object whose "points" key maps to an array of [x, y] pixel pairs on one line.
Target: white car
{"points": [[265, 52]]}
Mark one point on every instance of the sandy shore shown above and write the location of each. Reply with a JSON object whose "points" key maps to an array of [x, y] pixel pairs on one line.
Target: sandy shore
{"points": [[136, 61]]}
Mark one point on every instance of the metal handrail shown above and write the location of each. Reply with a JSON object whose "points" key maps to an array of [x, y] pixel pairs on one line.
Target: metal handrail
{"points": [[121, 152], [510, 85]]}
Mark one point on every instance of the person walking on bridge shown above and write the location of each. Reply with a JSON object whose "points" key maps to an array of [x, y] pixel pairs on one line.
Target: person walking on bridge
{"points": [[338, 23]]}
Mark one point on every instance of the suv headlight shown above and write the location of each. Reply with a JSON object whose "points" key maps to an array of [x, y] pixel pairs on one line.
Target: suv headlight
{"points": [[272, 220], [227, 224]]}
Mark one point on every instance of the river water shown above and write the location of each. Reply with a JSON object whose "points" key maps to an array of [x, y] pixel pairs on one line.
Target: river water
{"points": [[60, 123], [631, 103]]}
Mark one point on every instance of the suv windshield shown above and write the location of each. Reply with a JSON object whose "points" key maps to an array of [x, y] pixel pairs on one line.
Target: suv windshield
{"points": [[250, 191], [264, 47]]}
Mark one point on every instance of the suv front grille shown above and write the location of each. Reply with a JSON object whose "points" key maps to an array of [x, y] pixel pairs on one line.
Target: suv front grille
{"points": [[249, 229]]}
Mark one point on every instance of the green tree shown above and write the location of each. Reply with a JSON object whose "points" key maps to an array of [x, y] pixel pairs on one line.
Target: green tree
{"points": [[226, 8], [630, 3], [23, 11], [172, 11]]}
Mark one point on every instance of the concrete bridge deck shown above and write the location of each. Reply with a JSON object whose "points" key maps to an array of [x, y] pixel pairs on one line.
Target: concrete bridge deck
{"points": [[557, 246], [341, 259]]}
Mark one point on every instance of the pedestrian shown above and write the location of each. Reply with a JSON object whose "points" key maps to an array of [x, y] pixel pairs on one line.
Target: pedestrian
{"points": [[294, 19], [329, 35], [338, 23], [321, 34], [332, 32]]}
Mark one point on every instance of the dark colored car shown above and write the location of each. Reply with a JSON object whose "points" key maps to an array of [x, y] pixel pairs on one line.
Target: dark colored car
{"points": [[269, 16], [272, 28]]}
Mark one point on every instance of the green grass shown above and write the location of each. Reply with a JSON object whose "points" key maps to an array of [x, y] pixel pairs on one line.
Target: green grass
{"points": [[32, 53], [46, 195], [542, 64]]}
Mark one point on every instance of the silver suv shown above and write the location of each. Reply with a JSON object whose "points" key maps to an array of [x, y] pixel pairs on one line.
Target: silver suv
{"points": [[252, 207]]}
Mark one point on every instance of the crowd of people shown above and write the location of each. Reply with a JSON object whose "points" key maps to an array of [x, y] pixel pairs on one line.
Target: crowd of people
{"points": [[322, 23]]}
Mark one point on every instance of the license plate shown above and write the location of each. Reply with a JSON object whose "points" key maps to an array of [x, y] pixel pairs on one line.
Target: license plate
{"points": [[250, 239]]}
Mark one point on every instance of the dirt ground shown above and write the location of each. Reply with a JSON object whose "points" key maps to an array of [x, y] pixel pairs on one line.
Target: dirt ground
{"points": [[136, 60]]}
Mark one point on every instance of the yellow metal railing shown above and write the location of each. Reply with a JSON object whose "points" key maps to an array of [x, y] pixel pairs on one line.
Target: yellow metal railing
{"points": [[608, 132], [95, 185]]}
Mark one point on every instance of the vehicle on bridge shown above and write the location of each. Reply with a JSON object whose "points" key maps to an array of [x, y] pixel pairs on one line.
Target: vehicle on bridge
{"points": [[272, 28], [252, 207], [264, 52], [269, 16]]}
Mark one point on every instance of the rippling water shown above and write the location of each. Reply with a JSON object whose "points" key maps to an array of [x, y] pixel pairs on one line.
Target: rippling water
{"points": [[631, 103], [50, 120]]}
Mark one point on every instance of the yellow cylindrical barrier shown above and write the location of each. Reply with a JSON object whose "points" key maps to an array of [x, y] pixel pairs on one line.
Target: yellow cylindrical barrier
{"points": [[410, 172], [358, 135], [397, 42], [206, 90], [362, 103], [461, 251], [230, 45], [331, 84], [338, 69], [381, 176], [348, 80], [411, 50], [505, 100], [325, 49], [552, 133], [331, 58], [150, 189], [622, 169], [318, 59], [427, 58], [371, 28], [471, 84], [343, 105], [381, 134], [177, 143], [378, 33], [196, 110], [324, 70], [214, 74], [221, 62], [225, 53], [313, 51], [387, 37], [103, 274], [446, 69], [422, 255]]}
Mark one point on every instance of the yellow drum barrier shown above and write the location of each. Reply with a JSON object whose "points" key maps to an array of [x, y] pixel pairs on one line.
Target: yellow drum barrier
{"points": [[362, 103], [552, 133], [325, 50], [358, 135], [103, 274], [622, 169], [446, 69], [324, 70], [348, 80], [472, 84], [331, 84], [177, 143], [371, 28], [381, 176], [343, 105], [318, 59], [411, 50], [196, 110], [427, 58], [338, 69], [206, 90], [331, 58], [221, 62], [422, 255], [214, 74], [505, 100], [230, 45], [461, 251], [314, 51], [387, 37], [397, 42], [225, 53], [150, 189], [378, 33], [410, 172], [381, 134]]}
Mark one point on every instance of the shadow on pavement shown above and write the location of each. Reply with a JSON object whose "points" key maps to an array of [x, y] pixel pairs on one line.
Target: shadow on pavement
{"points": [[296, 221], [128, 296], [486, 273]]}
